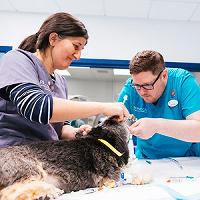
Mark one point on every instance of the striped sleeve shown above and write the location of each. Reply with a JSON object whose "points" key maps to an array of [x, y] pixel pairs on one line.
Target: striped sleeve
{"points": [[32, 102]]}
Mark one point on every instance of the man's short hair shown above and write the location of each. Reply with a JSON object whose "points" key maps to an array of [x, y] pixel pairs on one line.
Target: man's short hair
{"points": [[147, 60]]}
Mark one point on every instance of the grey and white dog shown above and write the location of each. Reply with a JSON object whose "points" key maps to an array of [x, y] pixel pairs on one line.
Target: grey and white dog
{"points": [[45, 170]]}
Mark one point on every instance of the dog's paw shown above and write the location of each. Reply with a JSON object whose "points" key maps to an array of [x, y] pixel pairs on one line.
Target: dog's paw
{"points": [[140, 180], [135, 173], [110, 183], [37, 190]]}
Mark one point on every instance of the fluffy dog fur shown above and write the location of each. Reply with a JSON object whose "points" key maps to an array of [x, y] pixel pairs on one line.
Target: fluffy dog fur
{"points": [[45, 170]]}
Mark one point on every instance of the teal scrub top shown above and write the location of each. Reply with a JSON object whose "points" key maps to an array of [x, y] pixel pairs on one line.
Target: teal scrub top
{"points": [[181, 89]]}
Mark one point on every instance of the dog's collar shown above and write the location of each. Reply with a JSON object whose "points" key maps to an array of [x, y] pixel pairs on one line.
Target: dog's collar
{"points": [[111, 147]]}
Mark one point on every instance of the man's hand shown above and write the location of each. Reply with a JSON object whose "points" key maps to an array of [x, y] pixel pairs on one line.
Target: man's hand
{"points": [[144, 128]]}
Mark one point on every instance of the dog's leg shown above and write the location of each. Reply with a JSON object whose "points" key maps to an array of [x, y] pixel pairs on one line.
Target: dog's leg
{"points": [[106, 182], [110, 183], [30, 190]]}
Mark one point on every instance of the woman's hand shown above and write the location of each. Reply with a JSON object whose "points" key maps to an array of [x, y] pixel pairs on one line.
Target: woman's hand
{"points": [[84, 129], [118, 109], [69, 132]]}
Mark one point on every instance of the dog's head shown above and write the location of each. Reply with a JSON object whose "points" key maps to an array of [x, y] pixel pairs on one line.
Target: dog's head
{"points": [[116, 134]]}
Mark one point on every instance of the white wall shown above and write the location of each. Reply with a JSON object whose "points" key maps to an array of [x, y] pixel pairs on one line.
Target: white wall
{"points": [[93, 90], [121, 38], [116, 38], [104, 91], [113, 38]]}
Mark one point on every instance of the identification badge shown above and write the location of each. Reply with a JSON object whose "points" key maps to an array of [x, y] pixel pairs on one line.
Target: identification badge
{"points": [[172, 103]]}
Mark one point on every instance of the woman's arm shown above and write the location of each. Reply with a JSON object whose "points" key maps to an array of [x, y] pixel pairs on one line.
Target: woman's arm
{"points": [[35, 105], [66, 109]]}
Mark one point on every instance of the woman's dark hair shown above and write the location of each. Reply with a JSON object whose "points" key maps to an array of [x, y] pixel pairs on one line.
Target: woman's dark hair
{"points": [[147, 60], [61, 23]]}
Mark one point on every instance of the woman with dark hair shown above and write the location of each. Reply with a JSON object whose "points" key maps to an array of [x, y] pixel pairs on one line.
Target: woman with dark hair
{"points": [[33, 98]]}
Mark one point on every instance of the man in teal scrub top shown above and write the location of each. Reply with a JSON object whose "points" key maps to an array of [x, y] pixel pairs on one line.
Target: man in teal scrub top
{"points": [[166, 103]]}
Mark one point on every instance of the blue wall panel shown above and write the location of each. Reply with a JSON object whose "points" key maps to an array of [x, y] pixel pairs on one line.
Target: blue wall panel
{"points": [[123, 64]]}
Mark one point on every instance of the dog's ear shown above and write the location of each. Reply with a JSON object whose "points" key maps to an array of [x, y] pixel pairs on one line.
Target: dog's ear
{"points": [[102, 133], [95, 131], [106, 134], [105, 129], [111, 121]]}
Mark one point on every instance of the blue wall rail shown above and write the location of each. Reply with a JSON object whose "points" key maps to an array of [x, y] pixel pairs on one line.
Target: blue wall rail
{"points": [[4, 49], [117, 64], [123, 64]]}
